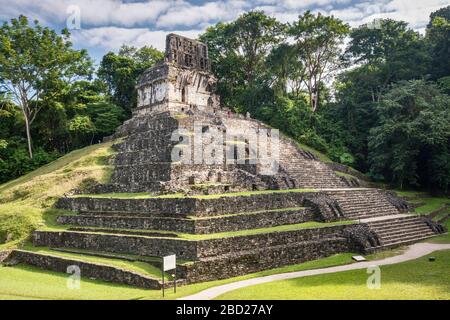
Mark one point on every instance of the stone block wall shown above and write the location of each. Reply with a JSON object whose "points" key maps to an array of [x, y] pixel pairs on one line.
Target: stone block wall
{"points": [[88, 269], [128, 244], [233, 245], [262, 259]]}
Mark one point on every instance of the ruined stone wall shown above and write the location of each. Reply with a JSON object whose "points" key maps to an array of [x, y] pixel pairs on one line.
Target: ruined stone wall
{"points": [[117, 243], [181, 207], [230, 245], [189, 249], [198, 226], [263, 259], [88, 270]]}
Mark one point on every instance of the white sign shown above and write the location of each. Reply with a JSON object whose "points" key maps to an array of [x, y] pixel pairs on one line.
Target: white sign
{"points": [[169, 262]]}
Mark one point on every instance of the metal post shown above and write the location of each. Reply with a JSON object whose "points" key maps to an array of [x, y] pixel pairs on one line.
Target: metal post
{"points": [[175, 281]]}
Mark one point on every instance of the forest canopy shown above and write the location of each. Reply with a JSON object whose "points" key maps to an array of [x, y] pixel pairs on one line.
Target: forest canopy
{"points": [[374, 97]]}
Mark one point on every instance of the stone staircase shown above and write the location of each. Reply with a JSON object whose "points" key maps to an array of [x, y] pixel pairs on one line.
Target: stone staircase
{"points": [[363, 203], [399, 231], [307, 171]]}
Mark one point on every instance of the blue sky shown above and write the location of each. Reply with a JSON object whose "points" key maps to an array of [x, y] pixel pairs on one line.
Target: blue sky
{"points": [[107, 24]]}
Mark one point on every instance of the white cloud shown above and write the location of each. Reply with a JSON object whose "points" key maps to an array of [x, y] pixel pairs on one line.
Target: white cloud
{"points": [[112, 38], [93, 12], [186, 14]]}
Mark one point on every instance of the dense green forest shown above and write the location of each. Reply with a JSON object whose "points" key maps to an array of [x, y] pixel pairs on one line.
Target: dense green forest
{"points": [[375, 97]]}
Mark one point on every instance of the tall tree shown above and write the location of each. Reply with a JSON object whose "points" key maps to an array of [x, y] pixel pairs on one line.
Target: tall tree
{"points": [[35, 63], [319, 41], [120, 72], [238, 51], [389, 51], [438, 36], [411, 142]]}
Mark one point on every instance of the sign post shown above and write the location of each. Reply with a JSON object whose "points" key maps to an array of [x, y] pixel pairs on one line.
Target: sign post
{"points": [[169, 263]]}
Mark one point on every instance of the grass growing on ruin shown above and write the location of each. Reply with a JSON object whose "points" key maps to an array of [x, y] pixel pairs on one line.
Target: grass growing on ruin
{"points": [[146, 195], [416, 279], [25, 282], [289, 227], [194, 237], [26, 201], [136, 266]]}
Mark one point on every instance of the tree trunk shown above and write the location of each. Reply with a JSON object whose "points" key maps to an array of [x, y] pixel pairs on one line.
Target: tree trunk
{"points": [[27, 129]]}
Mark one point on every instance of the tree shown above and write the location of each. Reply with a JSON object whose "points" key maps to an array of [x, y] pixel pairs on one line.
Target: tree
{"points": [[438, 37], [318, 40], [35, 63], [390, 52], [238, 51], [120, 72], [286, 70], [411, 142]]}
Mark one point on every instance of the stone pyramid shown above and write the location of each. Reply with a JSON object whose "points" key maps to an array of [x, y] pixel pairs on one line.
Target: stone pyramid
{"points": [[190, 179]]}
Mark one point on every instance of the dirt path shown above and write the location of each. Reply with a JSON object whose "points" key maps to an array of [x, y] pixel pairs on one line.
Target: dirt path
{"points": [[413, 252]]}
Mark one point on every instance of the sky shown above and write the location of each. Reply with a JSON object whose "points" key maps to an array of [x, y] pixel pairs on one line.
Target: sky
{"points": [[104, 25]]}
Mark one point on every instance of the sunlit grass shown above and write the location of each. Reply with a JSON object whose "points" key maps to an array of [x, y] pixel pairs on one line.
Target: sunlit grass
{"points": [[417, 279], [26, 203], [24, 282]]}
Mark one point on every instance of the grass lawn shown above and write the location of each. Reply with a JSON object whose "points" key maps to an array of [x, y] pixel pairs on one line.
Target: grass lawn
{"points": [[26, 203], [25, 282], [416, 279]]}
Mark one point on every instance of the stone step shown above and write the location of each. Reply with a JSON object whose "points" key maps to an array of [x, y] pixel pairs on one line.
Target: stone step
{"points": [[366, 215], [401, 228], [395, 225], [357, 203], [396, 221], [368, 211], [408, 239], [369, 208], [404, 233], [90, 270], [397, 244]]}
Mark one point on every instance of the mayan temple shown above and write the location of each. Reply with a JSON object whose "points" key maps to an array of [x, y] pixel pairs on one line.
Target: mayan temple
{"points": [[191, 178]]}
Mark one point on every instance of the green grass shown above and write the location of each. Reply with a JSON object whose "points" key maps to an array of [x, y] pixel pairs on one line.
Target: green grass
{"points": [[406, 193], [289, 227], [26, 203], [193, 237], [322, 156], [25, 282], [245, 213], [416, 279], [145, 195], [136, 266], [431, 204]]}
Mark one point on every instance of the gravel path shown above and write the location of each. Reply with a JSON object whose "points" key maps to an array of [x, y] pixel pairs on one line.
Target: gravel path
{"points": [[413, 252]]}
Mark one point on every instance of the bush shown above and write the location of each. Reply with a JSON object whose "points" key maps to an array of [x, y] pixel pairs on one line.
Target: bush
{"points": [[15, 161], [312, 139]]}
